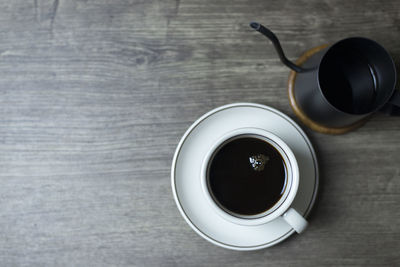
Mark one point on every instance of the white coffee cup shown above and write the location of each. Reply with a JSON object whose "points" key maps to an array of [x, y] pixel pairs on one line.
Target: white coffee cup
{"points": [[280, 208]]}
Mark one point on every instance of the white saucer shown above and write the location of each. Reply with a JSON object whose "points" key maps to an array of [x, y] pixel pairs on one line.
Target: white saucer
{"points": [[186, 165]]}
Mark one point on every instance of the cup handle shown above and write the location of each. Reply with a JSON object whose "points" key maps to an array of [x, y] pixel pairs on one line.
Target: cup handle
{"points": [[392, 108], [295, 220]]}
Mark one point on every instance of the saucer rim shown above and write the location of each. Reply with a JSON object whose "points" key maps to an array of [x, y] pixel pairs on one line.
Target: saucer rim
{"points": [[189, 131]]}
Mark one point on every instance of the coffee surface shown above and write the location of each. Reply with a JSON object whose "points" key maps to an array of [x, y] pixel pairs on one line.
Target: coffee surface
{"points": [[247, 176]]}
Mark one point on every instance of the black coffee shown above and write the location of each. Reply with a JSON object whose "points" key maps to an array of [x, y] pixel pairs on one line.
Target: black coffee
{"points": [[247, 176]]}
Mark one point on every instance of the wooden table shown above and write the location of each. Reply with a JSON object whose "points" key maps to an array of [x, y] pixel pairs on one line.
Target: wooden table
{"points": [[95, 96]]}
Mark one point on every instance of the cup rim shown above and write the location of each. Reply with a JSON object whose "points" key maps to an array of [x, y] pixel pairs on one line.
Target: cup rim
{"points": [[292, 169]]}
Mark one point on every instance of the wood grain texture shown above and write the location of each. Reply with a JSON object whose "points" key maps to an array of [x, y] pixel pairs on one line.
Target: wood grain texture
{"points": [[95, 95]]}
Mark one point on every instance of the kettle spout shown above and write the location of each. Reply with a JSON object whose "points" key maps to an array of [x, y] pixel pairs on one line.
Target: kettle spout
{"points": [[272, 37]]}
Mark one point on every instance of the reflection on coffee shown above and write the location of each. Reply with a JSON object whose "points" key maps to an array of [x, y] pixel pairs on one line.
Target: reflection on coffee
{"points": [[246, 175]]}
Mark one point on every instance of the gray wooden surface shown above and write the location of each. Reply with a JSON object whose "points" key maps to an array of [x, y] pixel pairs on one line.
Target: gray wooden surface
{"points": [[95, 95]]}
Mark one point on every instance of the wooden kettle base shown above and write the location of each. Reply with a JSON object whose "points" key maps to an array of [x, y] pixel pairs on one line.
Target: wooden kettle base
{"points": [[301, 115]]}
